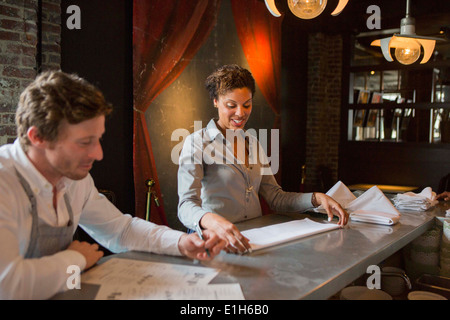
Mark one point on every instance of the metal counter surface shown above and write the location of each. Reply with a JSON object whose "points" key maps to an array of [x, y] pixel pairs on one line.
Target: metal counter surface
{"points": [[315, 267]]}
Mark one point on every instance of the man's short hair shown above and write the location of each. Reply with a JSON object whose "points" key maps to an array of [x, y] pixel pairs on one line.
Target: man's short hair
{"points": [[55, 96]]}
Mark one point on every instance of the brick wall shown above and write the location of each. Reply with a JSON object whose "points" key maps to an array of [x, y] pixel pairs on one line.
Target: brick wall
{"points": [[18, 52], [51, 35], [323, 111]]}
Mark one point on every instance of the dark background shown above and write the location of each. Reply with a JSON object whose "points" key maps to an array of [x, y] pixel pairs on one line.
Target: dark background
{"points": [[101, 52]]}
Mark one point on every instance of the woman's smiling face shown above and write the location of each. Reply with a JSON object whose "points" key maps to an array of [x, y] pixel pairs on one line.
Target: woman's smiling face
{"points": [[234, 108]]}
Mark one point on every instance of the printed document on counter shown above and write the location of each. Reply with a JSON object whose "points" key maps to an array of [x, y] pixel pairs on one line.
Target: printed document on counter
{"points": [[230, 291], [124, 279]]}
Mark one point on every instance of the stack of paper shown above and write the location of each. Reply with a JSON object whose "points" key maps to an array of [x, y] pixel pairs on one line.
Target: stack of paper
{"points": [[372, 206], [283, 232], [416, 201]]}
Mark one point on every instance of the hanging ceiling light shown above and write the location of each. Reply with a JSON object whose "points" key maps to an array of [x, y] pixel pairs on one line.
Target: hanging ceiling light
{"points": [[407, 44], [306, 9]]}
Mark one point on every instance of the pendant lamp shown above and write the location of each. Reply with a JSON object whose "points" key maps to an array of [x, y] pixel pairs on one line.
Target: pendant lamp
{"points": [[306, 9], [408, 45]]}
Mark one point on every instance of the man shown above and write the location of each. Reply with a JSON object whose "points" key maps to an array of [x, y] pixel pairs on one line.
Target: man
{"points": [[46, 191]]}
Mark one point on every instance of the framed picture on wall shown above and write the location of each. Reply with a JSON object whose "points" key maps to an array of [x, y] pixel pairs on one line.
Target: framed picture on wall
{"points": [[372, 118], [363, 96], [358, 120], [377, 97]]}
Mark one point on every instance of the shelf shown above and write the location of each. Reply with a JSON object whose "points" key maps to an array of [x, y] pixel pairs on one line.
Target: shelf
{"points": [[394, 144], [398, 66], [408, 142], [394, 105]]}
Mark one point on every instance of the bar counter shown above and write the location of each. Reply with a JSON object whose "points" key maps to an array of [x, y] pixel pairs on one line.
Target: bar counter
{"points": [[315, 267]]}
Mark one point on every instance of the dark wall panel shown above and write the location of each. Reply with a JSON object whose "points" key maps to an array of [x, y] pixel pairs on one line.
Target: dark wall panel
{"points": [[101, 52], [393, 164]]}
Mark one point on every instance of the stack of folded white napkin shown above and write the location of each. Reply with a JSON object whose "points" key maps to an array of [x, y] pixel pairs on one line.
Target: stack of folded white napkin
{"points": [[372, 206], [416, 201]]}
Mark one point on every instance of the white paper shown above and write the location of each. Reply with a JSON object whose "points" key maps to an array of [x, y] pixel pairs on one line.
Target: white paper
{"points": [[170, 292], [128, 279], [376, 217], [279, 233], [416, 201], [342, 192], [371, 207], [373, 200], [137, 272]]}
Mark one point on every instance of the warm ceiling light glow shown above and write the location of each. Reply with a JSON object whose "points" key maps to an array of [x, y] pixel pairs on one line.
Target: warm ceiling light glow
{"points": [[306, 9], [272, 8], [398, 41], [407, 44], [408, 51], [341, 5]]}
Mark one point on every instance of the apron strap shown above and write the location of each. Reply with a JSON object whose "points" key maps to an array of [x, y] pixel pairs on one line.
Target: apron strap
{"points": [[34, 215], [34, 236]]}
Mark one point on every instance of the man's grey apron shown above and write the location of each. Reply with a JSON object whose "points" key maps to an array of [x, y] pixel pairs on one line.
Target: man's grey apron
{"points": [[46, 240]]}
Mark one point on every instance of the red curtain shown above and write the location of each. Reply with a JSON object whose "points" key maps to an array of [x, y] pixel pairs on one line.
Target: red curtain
{"points": [[166, 36], [260, 36]]}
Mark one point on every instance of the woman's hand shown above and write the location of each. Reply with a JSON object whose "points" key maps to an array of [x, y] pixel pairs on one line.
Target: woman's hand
{"points": [[193, 247], [332, 207], [225, 230]]}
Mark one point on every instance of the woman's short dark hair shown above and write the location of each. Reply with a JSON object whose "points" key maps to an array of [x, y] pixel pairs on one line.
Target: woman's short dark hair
{"points": [[227, 78], [55, 96]]}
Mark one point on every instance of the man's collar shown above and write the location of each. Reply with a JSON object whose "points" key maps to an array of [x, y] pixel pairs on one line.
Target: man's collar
{"points": [[27, 169]]}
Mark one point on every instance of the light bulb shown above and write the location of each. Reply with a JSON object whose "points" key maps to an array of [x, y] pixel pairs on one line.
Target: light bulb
{"points": [[408, 52], [307, 9]]}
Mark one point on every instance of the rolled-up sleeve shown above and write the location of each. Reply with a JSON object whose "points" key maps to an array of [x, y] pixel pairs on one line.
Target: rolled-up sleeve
{"points": [[283, 201]]}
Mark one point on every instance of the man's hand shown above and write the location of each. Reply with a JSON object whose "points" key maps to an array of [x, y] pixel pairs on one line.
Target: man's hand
{"points": [[193, 247], [90, 252]]}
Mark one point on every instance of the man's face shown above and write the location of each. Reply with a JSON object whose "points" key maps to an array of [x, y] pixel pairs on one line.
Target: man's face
{"points": [[75, 150]]}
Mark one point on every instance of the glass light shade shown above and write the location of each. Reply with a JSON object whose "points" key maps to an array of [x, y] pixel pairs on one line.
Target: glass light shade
{"points": [[270, 4], [307, 9], [408, 52]]}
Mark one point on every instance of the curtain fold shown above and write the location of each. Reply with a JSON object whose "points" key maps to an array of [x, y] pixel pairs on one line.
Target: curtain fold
{"points": [[260, 36], [166, 36]]}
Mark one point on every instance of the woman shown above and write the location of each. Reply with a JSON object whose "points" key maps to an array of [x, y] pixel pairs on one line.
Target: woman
{"points": [[220, 177]]}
